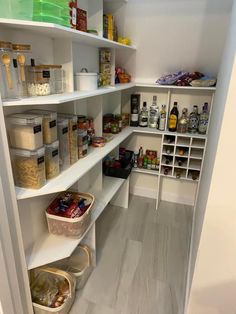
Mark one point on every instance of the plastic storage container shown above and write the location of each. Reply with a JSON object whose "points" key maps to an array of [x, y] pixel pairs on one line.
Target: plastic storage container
{"points": [[52, 290], [73, 143], [9, 86], [25, 131], [71, 227], [52, 160], [86, 81], [82, 143], [17, 9], [57, 76], [29, 168], [21, 54], [64, 147], [39, 81], [49, 123], [48, 11]]}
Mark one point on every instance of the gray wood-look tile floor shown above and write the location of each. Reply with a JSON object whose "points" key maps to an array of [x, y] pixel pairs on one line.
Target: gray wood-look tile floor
{"points": [[142, 258]]}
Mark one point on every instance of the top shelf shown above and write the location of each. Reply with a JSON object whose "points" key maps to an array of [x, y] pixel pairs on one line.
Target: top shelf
{"points": [[58, 31], [175, 87]]}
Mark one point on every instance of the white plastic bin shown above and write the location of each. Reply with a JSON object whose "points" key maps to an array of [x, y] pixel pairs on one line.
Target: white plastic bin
{"points": [[86, 81]]}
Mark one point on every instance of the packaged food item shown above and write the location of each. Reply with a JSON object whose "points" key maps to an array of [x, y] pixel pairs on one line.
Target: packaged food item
{"points": [[82, 123], [29, 168], [64, 146], [125, 120], [98, 141], [52, 290], [25, 131], [83, 150], [107, 119], [114, 127], [81, 20], [73, 13], [118, 118], [82, 137], [8, 87], [52, 160], [73, 142], [49, 124]]}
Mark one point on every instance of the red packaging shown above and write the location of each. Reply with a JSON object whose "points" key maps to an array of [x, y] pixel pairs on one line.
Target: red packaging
{"points": [[81, 20], [73, 13]]}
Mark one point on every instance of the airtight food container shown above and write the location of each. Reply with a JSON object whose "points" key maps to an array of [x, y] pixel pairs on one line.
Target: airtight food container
{"points": [[49, 122], [25, 131], [63, 137], [86, 81], [29, 168], [52, 160]]}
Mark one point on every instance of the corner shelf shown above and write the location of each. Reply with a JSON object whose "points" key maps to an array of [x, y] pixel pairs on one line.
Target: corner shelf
{"points": [[57, 31], [146, 171], [175, 87]]}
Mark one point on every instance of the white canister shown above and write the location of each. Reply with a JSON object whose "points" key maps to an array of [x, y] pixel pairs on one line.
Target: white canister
{"points": [[86, 81]]}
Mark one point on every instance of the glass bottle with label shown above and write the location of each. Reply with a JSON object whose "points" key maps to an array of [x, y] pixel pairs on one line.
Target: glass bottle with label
{"points": [[193, 120], [135, 106], [162, 120], [173, 118], [183, 122], [203, 119], [154, 114], [143, 116]]}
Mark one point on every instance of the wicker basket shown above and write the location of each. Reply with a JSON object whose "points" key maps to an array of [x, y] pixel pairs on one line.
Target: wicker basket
{"points": [[65, 307], [71, 227]]}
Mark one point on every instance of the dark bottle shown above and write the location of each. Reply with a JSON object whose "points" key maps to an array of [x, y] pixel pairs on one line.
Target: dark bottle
{"points": [[167, 161], [179, 162], [143, 116], [170, 139], [193, 120], [173, 118], [135, 107], [166, 171]]}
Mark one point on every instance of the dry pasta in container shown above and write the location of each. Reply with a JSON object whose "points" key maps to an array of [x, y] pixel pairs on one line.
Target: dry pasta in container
{"points": [[64, 146], [72, 129], [25, 131], [49, 121], [52, 160], [29, 168], [52, 290], [70, 214]]}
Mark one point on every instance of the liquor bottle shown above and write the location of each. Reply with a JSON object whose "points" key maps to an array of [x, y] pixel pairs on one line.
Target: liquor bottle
{"points": [[203, 119], [166, 171], [173, 118], [154, 114], [178, 173], [193, 120], [162, 120], [179, 162], [143, 116], [135, 107], [170, 139], [167, 160], [183, 122]]}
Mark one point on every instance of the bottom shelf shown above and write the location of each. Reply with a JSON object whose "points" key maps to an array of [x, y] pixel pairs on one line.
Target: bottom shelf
{"points": [[50, 248]]}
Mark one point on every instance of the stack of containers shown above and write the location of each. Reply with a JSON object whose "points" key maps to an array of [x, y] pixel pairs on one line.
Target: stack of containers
{"points": [[27, 152], [49, 127], [105, 67]]}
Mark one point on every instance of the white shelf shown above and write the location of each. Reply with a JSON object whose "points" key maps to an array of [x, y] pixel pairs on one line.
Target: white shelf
{"points": [[146, 171], [181, 178], [50, 248], [68, 177], [66, 97], [146, 130], [56, 31], [195, 164], [175, 87]]}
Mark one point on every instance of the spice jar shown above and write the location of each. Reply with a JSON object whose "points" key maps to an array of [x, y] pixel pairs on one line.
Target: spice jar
{"points": [[52, 160], [21, 54], [118, 118], [49, 124], [64, 147], [114, 127], [29, 168], [25, 131], [39, 81], [107, 119], [8, 86], [82, 123]]}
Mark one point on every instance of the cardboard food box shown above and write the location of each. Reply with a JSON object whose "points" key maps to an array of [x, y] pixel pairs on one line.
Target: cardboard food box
{"points": [[81, 20]]}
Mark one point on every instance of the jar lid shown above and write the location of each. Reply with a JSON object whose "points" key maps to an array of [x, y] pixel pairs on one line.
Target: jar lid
{"points": [[44, 113], [49, 66], [6, 45], [98, 140], [81, 118], [53, 145], [62, 121], [86, 74], [21, 47], [28, 153], [24, 119], [71, 117]]}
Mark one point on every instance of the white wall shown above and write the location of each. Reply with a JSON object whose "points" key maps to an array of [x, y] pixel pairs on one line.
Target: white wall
{"points": [[174, 34], [214, 281]]}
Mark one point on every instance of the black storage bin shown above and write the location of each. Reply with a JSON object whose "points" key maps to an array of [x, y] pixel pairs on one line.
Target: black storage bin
{"points": [[126, 167]]}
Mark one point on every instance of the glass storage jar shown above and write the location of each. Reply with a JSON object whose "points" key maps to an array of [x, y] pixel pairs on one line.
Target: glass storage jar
{"points": [[8, 87], [25, 131], [64, 147], [52, 160], [57, 77], [39, 81], [22, 55], [29, 168], [49, 124]]}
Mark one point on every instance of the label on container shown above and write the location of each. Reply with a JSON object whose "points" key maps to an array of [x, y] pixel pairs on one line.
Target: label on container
{"points": [[55, 153], [52, 124], [74, 127], [65, 130], [40, 160], [46, 74], [172, 121], [134, 117], [37, 128]]}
